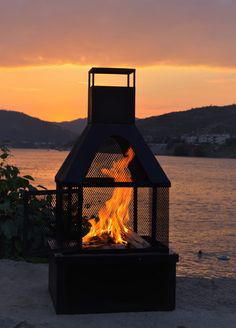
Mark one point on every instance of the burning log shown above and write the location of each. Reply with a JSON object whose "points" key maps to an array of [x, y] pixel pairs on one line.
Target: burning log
{"points": [[105, 241], [103, 246], [135, 240]]}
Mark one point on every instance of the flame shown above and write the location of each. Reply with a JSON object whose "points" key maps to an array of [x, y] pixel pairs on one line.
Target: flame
{"points": [[113, 217]]}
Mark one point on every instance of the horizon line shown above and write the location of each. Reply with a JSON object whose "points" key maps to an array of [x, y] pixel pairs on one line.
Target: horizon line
{"points": [[137, 118]]}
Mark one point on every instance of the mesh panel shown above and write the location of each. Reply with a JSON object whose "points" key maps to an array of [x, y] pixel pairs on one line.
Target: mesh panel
{"points": [[95, 199], [40, 215], [144, 212], [70, 205], [109, 153], [162, 233], [147, 223], [40, 222]]}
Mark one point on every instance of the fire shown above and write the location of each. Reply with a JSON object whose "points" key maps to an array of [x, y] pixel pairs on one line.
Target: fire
{"points": [[113, 217]]}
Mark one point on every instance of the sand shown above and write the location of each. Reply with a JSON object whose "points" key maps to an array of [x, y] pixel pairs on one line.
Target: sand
{"points": [[25, 303]]}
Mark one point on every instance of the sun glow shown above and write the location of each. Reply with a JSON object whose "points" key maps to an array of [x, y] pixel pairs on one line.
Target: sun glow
{"points": [[59, 92]]}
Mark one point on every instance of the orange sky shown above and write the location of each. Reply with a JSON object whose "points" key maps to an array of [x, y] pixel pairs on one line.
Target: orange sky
{"points": [[184, 52]]}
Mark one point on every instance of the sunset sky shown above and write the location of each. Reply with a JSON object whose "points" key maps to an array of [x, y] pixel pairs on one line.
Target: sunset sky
{"points": [[184, 52]]}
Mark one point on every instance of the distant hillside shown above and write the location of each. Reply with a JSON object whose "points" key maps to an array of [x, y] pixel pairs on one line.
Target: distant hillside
{"points": [[18, 129], [211, 119], [75, 126], [21, 130]]}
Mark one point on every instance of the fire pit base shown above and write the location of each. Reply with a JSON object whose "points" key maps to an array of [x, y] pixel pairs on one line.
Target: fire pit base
{"points": [[112, 282]]}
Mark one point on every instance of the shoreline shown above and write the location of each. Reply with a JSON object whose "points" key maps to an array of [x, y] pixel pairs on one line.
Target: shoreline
{"points": [[155, 154], [199, 302]]}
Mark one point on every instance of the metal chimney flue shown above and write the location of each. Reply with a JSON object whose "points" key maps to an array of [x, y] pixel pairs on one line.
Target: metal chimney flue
{"points": [[111, 104]]}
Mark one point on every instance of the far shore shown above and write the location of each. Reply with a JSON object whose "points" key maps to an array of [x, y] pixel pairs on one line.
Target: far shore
{"points": [[219, 156]]}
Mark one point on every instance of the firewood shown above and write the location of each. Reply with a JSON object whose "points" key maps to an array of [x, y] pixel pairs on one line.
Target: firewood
{"points": [[135, 240], [103, 246], [105, 241]]}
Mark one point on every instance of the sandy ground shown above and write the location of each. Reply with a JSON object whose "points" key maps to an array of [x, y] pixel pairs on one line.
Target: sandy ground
{"points": [[25, 303]]}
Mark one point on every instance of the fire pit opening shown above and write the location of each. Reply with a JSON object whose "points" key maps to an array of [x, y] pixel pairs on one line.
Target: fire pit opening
{"points": [[112, 213]]}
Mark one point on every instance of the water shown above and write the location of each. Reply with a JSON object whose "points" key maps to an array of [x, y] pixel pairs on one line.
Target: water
{"points": [[202, 207]]}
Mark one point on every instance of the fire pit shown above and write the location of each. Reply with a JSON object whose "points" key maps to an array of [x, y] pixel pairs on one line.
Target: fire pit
{"points": [[112, 247]]}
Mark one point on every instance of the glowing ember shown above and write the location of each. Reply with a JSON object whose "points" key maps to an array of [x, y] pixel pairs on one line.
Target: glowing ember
{"points": [[113, 217]]}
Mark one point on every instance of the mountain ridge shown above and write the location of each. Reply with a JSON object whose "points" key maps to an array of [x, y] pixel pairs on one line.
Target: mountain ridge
{"points": [[19, 128], [195, 121], [199, 120]]}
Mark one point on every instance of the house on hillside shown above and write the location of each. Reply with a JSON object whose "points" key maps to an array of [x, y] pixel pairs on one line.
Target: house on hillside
{"points": [[216, 139]]}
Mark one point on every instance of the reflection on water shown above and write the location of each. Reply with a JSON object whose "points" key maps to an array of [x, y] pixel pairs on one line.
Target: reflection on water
{"points": [[203, 213], [41, 164], [202, 209]]}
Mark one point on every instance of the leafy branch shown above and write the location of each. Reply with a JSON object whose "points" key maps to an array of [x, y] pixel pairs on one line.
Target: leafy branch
{"points": [[12, 188]]}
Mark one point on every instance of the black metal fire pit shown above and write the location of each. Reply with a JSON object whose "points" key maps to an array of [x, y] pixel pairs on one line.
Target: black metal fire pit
{"points": [[112, 252]]}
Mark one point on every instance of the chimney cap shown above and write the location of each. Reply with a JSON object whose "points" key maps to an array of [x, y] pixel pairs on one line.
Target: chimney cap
{"points": [[110, 70]]}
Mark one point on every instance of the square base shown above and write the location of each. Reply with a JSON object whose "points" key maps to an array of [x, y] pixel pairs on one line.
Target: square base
{"points": [[112, 282]]}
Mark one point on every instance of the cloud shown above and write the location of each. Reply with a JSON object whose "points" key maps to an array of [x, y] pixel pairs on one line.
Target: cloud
{"points": [[111, 32]]}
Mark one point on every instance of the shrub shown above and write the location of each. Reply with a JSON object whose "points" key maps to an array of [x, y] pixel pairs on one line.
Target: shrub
{"points": [[12, 188]]}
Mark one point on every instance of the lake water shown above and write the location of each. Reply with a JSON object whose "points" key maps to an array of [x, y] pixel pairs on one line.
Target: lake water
{"points": [[202, 206]]}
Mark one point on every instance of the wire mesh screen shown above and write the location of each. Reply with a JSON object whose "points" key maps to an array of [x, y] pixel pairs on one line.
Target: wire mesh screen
{"points": [[94, 200], [39, 221], [75, 210], [101, 204], [69, 213], [144, 213], [42, 212], [108, 155], [162, 231], [150, 220]]}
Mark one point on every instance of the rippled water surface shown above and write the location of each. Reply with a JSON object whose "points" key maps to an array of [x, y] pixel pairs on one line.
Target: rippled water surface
{"points": [[202, 208]]}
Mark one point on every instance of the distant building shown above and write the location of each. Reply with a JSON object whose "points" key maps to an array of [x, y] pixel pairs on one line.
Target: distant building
{"points": [[191, 139], [217, 139]]}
